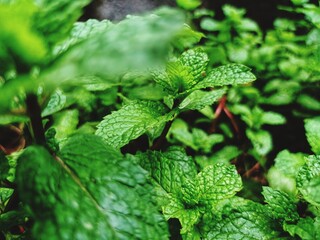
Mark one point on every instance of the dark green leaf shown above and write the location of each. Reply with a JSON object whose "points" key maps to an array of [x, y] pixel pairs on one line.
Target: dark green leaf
{"points": [[115, 196]]}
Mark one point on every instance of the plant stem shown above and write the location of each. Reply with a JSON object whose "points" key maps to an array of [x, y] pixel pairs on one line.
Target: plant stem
{"points": [[162, 138], [34, 112]]}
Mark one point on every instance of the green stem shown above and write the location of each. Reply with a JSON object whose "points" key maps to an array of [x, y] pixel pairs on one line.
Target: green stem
{"points": [[34, 112]]}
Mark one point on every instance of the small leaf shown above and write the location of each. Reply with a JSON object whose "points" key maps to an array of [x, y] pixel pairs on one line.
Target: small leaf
{"points": [[197, 60], [280, 204], [189, 4], [272, 118], [261, 141], [198, 99], [131, 121], [56, 102], [218, 182], [231, 74], [312, 127]]}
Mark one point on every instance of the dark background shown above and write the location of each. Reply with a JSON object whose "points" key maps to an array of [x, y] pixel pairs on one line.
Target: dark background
{"points": [[262, 11]]}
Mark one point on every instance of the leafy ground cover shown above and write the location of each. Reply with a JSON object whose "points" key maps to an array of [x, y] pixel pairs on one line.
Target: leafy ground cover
{"points": [[169, 125]]}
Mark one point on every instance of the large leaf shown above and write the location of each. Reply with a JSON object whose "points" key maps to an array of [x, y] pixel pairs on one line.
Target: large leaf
{"points": [[218, 182], [169, 169], [115, 196], [231, 74], [131, 121], [243, 220]]}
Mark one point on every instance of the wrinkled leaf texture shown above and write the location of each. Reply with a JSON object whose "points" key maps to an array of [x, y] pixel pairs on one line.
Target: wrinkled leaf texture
{"points": [[88, 192]]}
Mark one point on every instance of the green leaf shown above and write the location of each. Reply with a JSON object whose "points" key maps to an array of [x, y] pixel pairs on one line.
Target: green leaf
{"points": [[289, 163], [243, 220], [308, 102], [187, 217], [55, 19], [17, 33], [197, 139], [186, 38], [282, 176], [197, 60], [134, 44], [198, 99], [308, 180], [261, 141], [189, 4], [280, 204], [306, 228], [218, 182], [56, 103], [169, 169], [312, 127], [115, 196], [272, 118], [65, 123], [311, 191], [222, 156], [231, 74], [131, 121]]}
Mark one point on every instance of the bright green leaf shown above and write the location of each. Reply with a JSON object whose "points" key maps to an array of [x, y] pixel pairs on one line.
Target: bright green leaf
{"points": [[280, 204], [131, 121], [231, 74], [197, 60], [17, 33], [272, 118], [261, 141], [218, 182], [189, 4], [312, 127]]}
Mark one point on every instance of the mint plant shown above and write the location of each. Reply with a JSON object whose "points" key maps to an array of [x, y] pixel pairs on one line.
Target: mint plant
{"points": [[150, 129]]}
